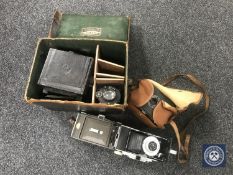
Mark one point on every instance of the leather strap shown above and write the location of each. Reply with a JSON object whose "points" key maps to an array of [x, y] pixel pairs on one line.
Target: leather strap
{"points": [[183, 148], [199, 85]]}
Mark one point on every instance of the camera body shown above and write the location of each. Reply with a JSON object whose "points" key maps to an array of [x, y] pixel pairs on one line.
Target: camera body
{"points": [[123, 140]]}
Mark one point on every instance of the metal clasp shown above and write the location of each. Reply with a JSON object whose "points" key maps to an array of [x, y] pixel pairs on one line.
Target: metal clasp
{"points": [[101, 117]]}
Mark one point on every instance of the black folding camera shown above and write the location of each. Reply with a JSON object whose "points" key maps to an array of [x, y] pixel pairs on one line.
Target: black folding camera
{"points": [[65, 75], [123, 140]]}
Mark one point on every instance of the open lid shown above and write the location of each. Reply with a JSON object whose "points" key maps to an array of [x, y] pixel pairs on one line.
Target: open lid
{"points": [[90, 27]]}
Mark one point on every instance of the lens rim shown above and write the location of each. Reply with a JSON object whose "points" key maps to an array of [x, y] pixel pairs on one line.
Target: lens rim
{"points": [[145, 146], [111, 92]]}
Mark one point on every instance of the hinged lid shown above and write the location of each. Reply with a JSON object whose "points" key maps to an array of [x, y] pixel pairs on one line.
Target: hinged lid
{"points": [[89, 27]]}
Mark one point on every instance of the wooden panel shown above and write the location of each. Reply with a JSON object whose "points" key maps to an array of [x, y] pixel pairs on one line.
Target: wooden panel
{"points": [[95, 71], [109, 67], [103, 75], [110, 81]]}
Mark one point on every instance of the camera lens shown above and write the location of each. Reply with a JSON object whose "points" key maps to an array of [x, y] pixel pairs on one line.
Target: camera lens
{"points": [[109, 95], [151, 146]]}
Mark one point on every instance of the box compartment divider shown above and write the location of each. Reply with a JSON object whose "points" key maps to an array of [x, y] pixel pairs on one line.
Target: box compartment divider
{"points": [[110, 67], [95, 71], [103, 75]]}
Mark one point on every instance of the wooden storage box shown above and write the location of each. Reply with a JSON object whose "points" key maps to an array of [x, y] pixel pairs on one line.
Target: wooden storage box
{"points": [[105, 38]]}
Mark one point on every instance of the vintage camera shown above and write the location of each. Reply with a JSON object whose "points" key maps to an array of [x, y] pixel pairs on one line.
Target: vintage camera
{"points": [[65, 75], [123, 140]]}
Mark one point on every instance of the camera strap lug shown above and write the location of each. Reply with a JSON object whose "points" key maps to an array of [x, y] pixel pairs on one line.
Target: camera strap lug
{"points": [[174, 152], [72, 120]]}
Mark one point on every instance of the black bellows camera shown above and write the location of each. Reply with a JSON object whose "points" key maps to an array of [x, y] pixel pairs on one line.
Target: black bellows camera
{"points": [[123, 140]]}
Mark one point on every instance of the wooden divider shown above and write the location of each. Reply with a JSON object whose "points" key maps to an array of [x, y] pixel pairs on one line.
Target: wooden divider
{"points": [[106, 67], [106, 72], [95, 71]]}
